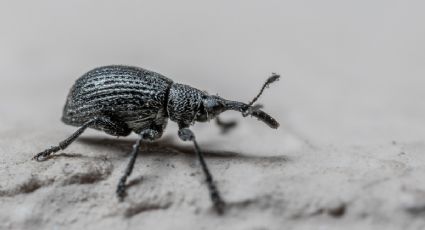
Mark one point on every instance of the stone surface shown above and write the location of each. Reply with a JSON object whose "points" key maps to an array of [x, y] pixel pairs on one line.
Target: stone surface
{"points": [[349, 153]]}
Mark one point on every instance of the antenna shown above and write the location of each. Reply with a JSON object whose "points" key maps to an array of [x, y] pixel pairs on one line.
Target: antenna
{"points": [[273, 78]]}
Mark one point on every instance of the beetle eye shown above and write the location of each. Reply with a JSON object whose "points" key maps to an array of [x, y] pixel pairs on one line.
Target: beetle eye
{"points": [[218, 106], [212, 105]]}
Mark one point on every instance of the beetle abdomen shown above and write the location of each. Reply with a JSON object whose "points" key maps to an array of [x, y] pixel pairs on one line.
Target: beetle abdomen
{"points": [[129, 94]]}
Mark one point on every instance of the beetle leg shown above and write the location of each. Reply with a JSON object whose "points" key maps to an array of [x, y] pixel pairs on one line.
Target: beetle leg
{"points": [[225, 126], [133, 155], [186, 134], [148, 134], [65, 143]]}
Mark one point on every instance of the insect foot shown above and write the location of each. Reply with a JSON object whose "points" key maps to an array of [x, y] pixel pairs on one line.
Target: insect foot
{"points": [[121, 188], [42, 156], [219, 204]]}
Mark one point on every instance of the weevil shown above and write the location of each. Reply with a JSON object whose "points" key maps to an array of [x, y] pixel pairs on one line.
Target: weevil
{"points": [[121, 99]]}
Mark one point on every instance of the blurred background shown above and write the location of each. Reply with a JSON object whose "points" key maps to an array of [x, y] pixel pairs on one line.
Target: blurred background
{"points": [[352, 71]]}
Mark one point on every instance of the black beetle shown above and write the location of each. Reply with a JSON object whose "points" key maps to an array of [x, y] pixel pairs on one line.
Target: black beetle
{"points": [[120, 99]]}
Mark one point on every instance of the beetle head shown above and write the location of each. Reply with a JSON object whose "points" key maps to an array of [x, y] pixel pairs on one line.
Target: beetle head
{"points": [[210, 108], [214, 105]]}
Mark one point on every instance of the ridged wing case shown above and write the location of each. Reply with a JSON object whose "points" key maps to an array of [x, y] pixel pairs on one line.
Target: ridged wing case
{"points": [[127, 94]]}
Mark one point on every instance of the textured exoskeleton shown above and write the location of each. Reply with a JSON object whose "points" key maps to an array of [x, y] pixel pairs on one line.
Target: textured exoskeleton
{"points": [[121, 99], [131, 98]]}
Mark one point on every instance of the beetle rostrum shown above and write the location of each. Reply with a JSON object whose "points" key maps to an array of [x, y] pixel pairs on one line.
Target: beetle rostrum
{"points": [[120, 99]]}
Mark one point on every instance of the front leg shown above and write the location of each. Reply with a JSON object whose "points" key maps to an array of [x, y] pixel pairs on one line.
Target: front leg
{"points": [[148, 135], [225, 126], [187, 135]]}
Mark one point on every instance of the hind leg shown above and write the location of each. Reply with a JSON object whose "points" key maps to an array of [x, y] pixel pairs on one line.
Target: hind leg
{"points": [[99, 123]]}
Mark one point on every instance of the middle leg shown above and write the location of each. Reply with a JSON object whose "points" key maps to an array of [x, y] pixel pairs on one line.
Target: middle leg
{"points": [[145, 135]]}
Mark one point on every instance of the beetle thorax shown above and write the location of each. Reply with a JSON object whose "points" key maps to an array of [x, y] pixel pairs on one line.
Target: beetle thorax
{"points": [[184, 102]]}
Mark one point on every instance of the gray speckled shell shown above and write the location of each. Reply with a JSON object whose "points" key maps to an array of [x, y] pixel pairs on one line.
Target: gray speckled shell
{"points": [[183, 104], [126, 94]]}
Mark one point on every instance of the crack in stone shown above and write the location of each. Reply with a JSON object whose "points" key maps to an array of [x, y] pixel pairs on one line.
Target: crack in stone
{"points": [[29, 186], [145, 207]]}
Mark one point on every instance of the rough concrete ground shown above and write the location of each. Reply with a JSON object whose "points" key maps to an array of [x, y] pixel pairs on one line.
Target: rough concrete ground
{"points": [[349, 153]]}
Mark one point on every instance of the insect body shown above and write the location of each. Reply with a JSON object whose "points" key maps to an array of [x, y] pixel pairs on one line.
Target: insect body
{"points": [[131, 99], [123, 99]]}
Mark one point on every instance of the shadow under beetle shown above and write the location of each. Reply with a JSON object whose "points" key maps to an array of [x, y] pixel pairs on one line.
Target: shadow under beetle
{"points": [[121, 99]]}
